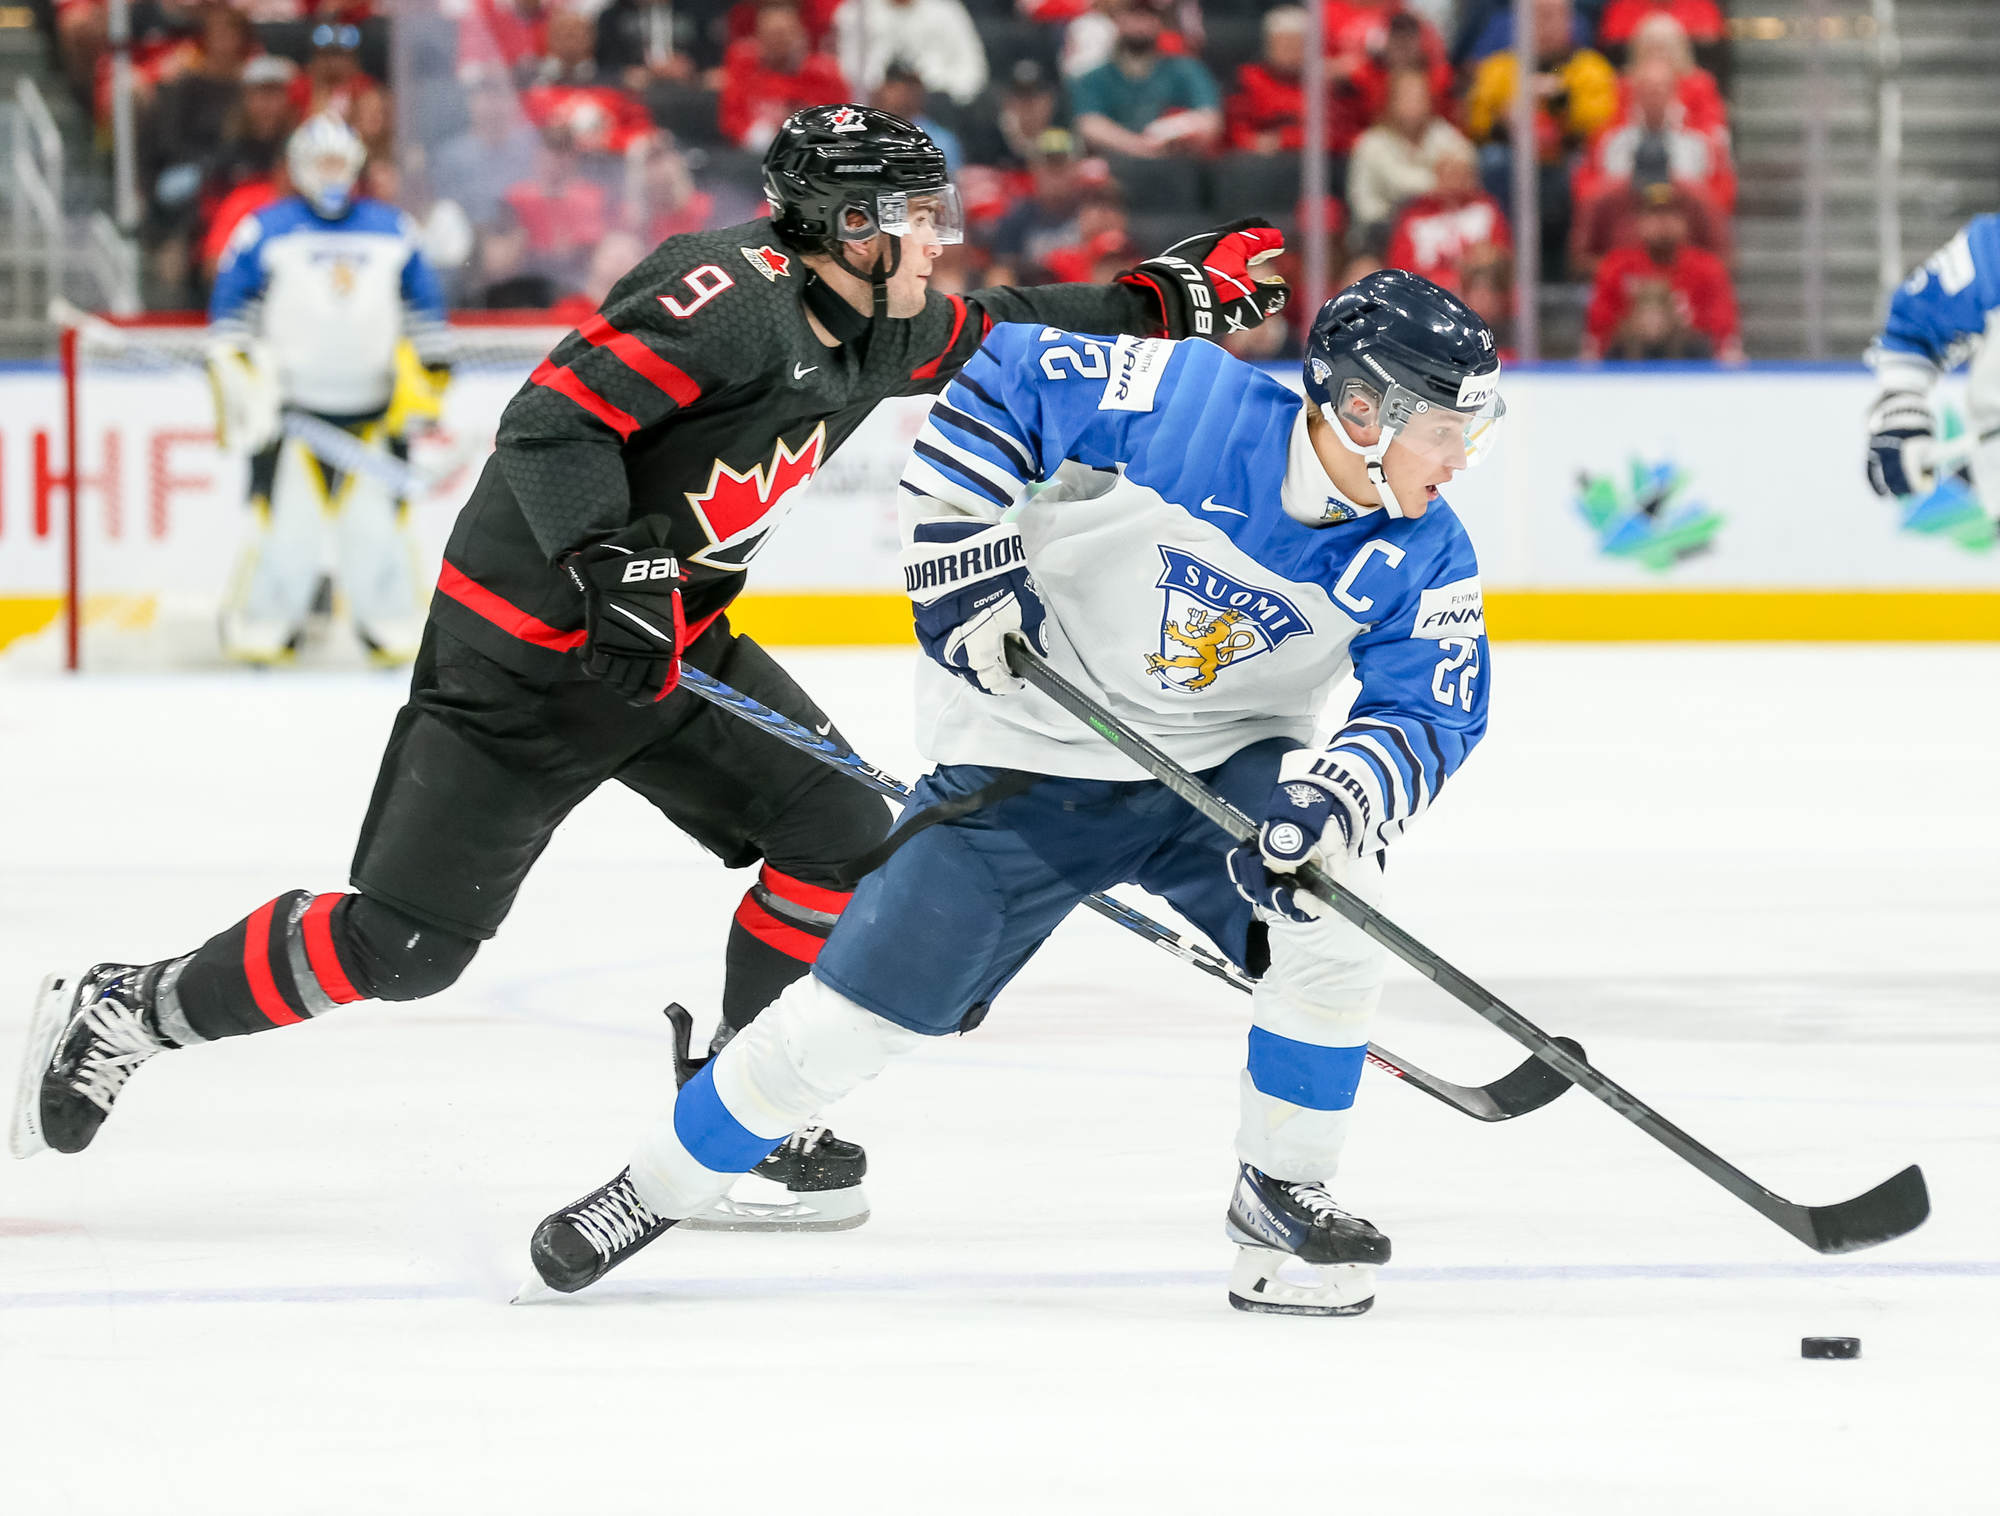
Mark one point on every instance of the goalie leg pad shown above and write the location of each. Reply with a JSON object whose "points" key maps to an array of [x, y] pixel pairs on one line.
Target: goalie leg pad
{"points": [[282, 563], [378, 569]]}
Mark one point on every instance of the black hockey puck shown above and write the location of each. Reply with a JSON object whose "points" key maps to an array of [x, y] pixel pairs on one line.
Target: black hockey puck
{"points": [[1829, 1347]]}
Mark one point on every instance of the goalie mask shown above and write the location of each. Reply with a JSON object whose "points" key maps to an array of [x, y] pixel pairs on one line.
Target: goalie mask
{"points": [[324, 159], [1394, 350], [837, 175]]}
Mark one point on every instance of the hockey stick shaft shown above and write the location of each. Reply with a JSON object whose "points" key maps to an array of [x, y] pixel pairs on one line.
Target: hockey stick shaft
{"points": [[1883, 1213], [1512, 1095]]}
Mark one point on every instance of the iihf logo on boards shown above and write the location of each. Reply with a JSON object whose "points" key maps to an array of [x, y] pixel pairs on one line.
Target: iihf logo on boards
{"points": [[1212, 622]]}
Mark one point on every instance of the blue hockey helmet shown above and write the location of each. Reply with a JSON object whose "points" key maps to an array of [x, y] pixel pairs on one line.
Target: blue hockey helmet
{"points": [[1392, 348]]}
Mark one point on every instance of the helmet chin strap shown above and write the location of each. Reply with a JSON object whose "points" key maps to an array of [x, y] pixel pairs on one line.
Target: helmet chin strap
{"points": [[878, 277], [1371, 457]]}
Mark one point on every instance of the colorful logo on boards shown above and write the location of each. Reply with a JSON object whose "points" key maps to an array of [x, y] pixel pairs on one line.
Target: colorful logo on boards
{"points": [[1645, 517], [1950, 510]]}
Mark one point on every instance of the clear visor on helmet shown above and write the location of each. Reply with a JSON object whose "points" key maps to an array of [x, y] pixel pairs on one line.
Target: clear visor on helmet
{"points": [[1437, 433], [933, 213]]}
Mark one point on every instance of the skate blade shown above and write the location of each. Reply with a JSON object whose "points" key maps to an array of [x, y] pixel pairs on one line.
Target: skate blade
{"points": [[811, 1211], [24, 1136], [1272, 1283]]}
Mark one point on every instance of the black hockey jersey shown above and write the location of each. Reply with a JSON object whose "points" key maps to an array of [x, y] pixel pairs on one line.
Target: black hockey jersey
{"points": [[698, 392]]}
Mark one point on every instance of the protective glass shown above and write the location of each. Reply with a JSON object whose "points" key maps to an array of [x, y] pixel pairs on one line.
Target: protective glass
{"points": [[1442, 434], [934, 213]]}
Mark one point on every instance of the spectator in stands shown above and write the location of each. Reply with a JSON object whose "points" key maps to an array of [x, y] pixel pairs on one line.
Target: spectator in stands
{"points": [[639, 44], [1029, 106], [1700, 21], [936, 38], [1662, 297], [1575, 92], [1486, 27], [1456, 224], [1047, 219], [1091, 35], [1487, 285], [566, 91], [1404, 43], [668, 202], [181, 130], [1610, 218], [510, 33], [333, 77], [549, 225], [1660, 36], [1145, 103], [497, 150], [610, 262], [1103, 247], [901, 93], [772, 73], [1698, 161], [254, 137], [1396, 159], [1267, 112]]}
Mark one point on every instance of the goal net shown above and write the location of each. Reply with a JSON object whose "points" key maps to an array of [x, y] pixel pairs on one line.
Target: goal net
{"points": [[160, 517]]}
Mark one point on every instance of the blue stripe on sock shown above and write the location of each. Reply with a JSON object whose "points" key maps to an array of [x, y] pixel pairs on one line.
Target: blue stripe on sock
{"points": [[716, 1139], [1304, 1073]]}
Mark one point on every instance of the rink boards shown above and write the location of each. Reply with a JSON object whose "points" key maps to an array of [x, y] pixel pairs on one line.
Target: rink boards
{"points": [[1681, 502]]}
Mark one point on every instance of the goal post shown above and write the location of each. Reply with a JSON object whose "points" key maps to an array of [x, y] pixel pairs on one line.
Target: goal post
{"points": [[153, 514]]}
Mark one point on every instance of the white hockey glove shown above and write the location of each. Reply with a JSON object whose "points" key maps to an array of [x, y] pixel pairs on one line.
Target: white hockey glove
{"points": [[970, 584], [1294, 833], [245, 385], [1900, 445]]}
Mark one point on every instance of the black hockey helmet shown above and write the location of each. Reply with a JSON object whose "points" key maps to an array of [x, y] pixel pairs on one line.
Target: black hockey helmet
{"points": [[841, 173], [1405, 347]]}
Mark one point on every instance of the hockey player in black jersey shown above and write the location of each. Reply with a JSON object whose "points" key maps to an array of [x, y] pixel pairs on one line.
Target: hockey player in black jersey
{"points": [[635, 476]]}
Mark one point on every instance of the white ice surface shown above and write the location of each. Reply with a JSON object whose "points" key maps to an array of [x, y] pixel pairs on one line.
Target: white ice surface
{"points": [[1759, 884]]}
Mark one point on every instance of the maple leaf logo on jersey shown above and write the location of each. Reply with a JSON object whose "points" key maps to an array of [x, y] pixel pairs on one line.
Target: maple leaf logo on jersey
{"points": [[771, 264], [738, 509]]}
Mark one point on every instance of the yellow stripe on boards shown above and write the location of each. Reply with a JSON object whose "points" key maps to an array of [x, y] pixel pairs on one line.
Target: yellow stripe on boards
{"points": [[1743, 616]]}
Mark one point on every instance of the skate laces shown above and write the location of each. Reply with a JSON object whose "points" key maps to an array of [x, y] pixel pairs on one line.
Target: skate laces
{"points": [[807, 1138], [119, 1043], [1314, 1198], [615, 1219]]}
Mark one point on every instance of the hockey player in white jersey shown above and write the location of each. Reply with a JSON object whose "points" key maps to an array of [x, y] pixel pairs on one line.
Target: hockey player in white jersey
{"points": [[1211, 559], [324, 307], [1943, 315]]}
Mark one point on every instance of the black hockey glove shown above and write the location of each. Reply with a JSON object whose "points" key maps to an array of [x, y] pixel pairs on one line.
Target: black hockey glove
{"points": [[1207, 285], [632, 621], [1900, 428]]}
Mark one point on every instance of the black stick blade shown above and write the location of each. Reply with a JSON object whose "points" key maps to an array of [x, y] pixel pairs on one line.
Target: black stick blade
{"points": [[1892, 1208], [1531, 1086]]}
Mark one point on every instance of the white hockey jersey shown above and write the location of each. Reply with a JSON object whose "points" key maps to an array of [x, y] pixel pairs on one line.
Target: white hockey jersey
{"points": [[1180, 589], [330, 300]]}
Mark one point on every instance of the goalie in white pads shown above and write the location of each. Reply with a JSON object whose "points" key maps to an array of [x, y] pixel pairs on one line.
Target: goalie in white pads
{"points": [[324, 307], [1209, 558]]}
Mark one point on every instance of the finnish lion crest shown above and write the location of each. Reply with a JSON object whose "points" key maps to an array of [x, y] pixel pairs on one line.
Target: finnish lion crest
{"points": [[1212, 622]]}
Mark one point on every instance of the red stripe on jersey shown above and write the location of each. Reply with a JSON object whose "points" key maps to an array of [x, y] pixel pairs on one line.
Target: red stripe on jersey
{"points": [[811, 896], [510, 618], [930, 370], [768, 929], [257, 968], [640, 359], [565, 383], [318, 928]]}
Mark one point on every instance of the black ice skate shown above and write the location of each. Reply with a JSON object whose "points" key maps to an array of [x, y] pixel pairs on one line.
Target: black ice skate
{"points": [[583, 1242], [1298, 1253], [819, 1173], [89, 1032]]}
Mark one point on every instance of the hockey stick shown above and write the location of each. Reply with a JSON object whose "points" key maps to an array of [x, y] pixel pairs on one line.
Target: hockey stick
{"points": [[1888, 1211], [1526, 1088]]}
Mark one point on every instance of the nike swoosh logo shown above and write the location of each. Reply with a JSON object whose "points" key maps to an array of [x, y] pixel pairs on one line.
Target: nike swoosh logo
{"points": [[800, 370], [823, 730], [1212, 508]]}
